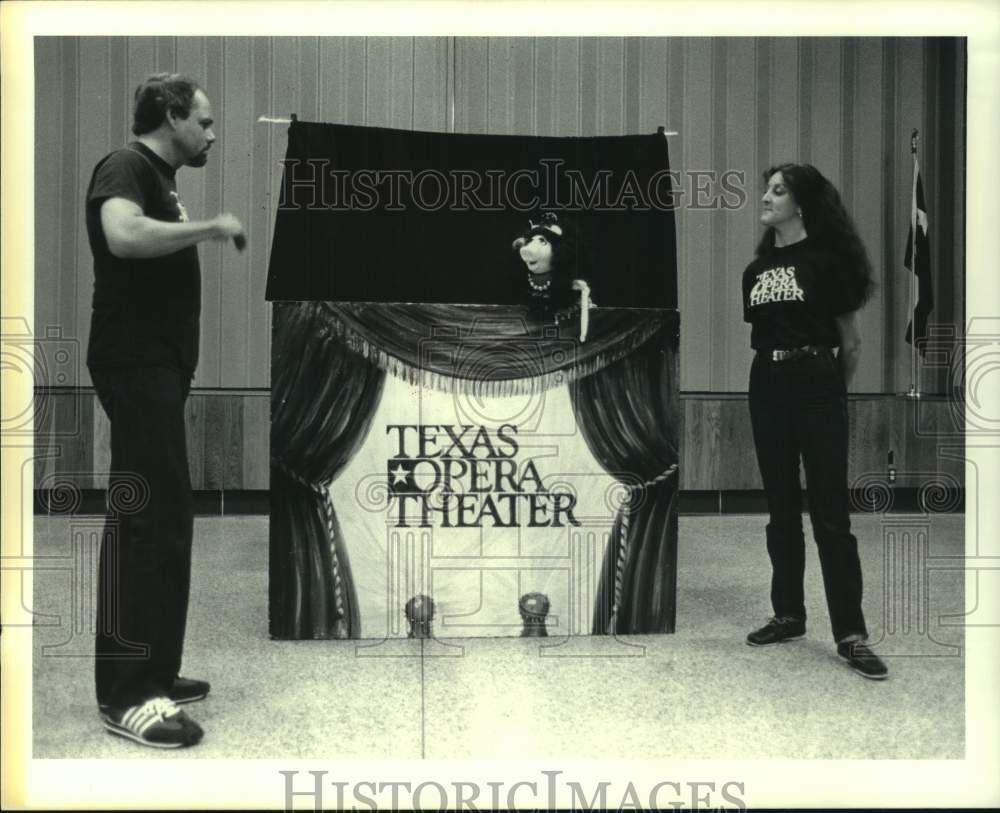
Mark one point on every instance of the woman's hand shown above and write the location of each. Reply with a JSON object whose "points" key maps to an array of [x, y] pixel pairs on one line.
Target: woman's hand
{"points": [[850, 345]]}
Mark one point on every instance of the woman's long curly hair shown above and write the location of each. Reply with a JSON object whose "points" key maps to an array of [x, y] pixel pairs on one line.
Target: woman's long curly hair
{"points": [[827, 224]]}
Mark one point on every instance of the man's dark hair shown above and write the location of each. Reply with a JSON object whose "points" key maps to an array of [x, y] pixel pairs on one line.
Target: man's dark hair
{"points": [[159, 94]]}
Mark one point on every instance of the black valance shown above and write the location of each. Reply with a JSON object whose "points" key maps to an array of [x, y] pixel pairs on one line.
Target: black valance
{"points": [[375, 214]]}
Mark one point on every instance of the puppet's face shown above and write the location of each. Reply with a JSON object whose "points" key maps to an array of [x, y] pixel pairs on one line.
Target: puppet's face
{"points": [[537, 254]]}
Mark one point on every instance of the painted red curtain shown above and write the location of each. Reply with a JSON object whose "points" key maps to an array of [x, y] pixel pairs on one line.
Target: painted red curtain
{"points": [[323, 400], [629, 415]]}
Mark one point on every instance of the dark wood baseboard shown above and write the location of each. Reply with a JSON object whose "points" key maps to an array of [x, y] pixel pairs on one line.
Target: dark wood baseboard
{"points": [[887, 500], [91, 501], [896, 500], [228, 444]]}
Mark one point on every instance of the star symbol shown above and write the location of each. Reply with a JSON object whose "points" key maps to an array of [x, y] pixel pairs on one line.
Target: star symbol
{"points": [[399, 474]]}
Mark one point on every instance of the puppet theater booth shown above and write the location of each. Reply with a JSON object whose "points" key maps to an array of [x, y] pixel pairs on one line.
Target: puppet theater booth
{"points": [[448, 459]]}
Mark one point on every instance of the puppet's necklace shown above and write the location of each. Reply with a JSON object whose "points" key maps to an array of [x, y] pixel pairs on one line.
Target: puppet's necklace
{"points": [[543, 286]]}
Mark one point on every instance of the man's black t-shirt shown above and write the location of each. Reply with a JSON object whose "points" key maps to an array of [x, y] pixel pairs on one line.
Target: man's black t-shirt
{"points": [[791, 295], [145, 311]]}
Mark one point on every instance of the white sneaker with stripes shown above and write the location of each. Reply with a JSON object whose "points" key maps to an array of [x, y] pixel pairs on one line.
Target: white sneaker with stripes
{"points": [[158, 723]]}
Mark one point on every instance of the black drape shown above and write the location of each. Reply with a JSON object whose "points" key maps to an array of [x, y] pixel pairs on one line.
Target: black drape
{"points": [[323, 400], [376, 214], [629, 415]]}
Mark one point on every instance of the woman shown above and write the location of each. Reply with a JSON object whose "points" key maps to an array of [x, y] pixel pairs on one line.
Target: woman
{"points": [[801, 295]]}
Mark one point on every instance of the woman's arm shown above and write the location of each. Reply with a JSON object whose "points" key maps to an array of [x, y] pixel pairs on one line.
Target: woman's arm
{"points": [[850, 345]]}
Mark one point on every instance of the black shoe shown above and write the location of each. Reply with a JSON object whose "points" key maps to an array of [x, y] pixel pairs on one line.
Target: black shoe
{"points": [[185, 690], [777, 631], [862, 660], [157, 723]]}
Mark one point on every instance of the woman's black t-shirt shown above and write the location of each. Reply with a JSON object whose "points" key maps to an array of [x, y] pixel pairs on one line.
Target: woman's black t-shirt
{"points": [[791, 295]]}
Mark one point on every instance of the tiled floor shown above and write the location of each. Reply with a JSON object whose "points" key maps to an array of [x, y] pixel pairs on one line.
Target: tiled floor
{"points": [[699, 694]]}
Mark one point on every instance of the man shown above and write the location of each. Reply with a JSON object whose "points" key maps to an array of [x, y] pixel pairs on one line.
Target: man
{"points": [[142, 355]]}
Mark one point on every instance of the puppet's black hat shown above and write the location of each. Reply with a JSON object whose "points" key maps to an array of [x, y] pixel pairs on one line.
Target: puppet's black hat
{"points": [[547, 225]]}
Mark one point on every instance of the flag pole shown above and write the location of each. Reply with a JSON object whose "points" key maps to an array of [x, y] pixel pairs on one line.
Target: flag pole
{"points": [[914, 391]]}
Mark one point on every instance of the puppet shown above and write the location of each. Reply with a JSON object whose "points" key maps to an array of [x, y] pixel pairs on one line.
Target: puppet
{"points": [[556, 268]]}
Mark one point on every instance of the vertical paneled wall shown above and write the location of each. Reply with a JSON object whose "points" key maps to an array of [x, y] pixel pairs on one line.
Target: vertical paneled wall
{"points": [[738, 104]]}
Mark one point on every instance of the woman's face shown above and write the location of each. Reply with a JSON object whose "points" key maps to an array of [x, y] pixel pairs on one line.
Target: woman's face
{"points": [[778, 204], [537, 254]]}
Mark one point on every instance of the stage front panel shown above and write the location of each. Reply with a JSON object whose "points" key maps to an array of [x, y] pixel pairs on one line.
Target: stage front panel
{"points": [[471, 471]]}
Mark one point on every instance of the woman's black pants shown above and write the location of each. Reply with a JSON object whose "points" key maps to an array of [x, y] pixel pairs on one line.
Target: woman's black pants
{"points": [[798, 409], [145, 561]]}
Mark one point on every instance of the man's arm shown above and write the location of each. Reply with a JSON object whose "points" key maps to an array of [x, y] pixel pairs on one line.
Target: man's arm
{"points": [[850, 345], [133, 235]]}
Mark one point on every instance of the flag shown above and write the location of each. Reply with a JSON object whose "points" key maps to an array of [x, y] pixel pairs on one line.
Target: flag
{"points": [[921, 266]]}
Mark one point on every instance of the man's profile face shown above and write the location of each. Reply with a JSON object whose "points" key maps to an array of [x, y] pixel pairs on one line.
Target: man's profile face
{"points": [[193, 136]]}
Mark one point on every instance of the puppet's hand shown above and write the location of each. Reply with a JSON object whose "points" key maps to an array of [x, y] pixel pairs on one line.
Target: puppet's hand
{"points": [[584, 289]]}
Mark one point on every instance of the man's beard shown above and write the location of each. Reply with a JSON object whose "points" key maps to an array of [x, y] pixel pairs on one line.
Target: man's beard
{"points": [[198, 160]]}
